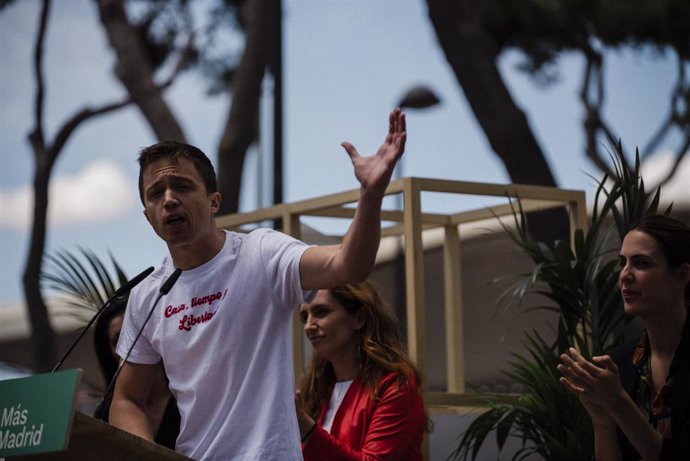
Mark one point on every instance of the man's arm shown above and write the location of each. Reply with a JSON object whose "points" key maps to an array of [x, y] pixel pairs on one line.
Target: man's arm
{"points": [[127, 411], [158, 399], [353, 260]]}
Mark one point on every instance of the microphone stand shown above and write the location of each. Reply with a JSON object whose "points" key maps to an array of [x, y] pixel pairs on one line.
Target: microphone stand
{"points": [[165, 288], [119, 292]]}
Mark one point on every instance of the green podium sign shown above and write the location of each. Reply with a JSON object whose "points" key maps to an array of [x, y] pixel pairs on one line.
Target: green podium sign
{"points": [[36, 412]]}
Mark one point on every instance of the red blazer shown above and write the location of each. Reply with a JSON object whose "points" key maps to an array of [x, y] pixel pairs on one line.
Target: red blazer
{"points": [[389, 428]]}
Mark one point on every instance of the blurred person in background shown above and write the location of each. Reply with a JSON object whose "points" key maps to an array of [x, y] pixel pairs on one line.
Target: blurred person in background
{"points": [[360, 397]]}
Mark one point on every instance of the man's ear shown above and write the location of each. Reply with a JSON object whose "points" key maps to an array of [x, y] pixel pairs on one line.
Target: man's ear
{"points": [[215, 202], [146, 215]]}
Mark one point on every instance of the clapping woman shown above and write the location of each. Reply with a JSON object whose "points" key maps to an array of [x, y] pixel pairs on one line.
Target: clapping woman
{"points": [[639, 395]]}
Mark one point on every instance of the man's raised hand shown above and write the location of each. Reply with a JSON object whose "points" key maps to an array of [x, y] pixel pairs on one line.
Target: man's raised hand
{"points": [[374, 172]]}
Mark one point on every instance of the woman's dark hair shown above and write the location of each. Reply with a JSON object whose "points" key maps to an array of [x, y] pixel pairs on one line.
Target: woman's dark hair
{"points": [[107, 362], [174, 149], [673, 236], [380, 349]]}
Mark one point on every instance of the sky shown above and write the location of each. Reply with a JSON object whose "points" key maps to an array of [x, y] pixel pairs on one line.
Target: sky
{"points": [[347, 64]]}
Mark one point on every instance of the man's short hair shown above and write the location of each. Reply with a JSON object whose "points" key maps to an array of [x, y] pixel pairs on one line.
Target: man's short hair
{"points": [[174, 149]]}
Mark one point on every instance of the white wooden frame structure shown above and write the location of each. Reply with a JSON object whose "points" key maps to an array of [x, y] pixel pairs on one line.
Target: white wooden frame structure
{"points": [[411, 221]]}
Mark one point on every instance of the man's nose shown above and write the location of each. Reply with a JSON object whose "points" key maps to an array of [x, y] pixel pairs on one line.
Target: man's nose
{"points": [[170, 199]]}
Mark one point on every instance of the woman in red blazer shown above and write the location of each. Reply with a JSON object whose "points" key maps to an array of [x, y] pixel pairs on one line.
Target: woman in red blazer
{"points": [[360, 397]]}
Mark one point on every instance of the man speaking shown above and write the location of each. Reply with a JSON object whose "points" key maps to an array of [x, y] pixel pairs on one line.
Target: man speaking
{"points": [[223, 331]]}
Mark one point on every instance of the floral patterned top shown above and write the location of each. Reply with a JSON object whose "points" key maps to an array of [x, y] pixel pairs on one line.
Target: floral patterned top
{"points": [[655, 405]]}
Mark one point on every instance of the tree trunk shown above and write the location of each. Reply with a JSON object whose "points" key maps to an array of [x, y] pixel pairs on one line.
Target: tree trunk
{"points": [[472, 54], [45, 156], [242, 126], [136, 72], [42, 334]]}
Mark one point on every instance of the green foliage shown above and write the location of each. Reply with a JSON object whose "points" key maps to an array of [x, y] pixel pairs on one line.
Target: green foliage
{"points": [[544, 400], [82, 279], [581, 284]]}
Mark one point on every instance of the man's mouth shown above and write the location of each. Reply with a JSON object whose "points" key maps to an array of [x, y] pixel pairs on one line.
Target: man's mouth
{"points": [[173, 220]]}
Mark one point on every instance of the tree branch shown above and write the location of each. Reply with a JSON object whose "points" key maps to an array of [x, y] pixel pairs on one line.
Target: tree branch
{"points": [[36, 136], [80, 117], [135, 71], [593, 83], [180, 65]]}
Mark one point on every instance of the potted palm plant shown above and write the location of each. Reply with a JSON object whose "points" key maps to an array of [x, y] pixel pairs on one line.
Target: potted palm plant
{"points": [[581, 284]]}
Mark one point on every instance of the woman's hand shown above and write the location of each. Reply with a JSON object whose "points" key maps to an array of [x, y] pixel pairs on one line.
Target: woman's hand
{"points": [[303, 419], [597, 385]]}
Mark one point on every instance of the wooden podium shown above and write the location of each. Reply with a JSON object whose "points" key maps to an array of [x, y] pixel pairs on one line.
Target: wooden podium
{"points": [[92, 439], [38, 421]]}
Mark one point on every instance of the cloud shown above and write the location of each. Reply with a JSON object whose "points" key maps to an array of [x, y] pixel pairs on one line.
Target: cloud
{"points": [[100, 192], [655, 168], [14, 208]]}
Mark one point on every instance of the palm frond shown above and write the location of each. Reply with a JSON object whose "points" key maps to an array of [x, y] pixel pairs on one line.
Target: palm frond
{"points": [[81, 279]]}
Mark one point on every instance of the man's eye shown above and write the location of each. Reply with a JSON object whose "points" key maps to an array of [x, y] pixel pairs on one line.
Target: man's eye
{"points": [[183, 186]]}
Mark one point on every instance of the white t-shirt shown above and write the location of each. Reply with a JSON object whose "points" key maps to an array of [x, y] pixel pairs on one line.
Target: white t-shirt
{"points": [[224, 335], [339, 390]]}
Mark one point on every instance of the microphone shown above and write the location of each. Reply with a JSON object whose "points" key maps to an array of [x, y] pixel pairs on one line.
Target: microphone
{"points": [[164, 289], [167, 286], [119, 292]]}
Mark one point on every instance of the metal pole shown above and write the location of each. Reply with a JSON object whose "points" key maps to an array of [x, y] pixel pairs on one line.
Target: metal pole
{"points": [[277, 71]]}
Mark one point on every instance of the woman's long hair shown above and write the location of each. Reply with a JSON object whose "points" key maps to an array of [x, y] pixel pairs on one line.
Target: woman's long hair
{"points": [[107, 362], [380, 350]]}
